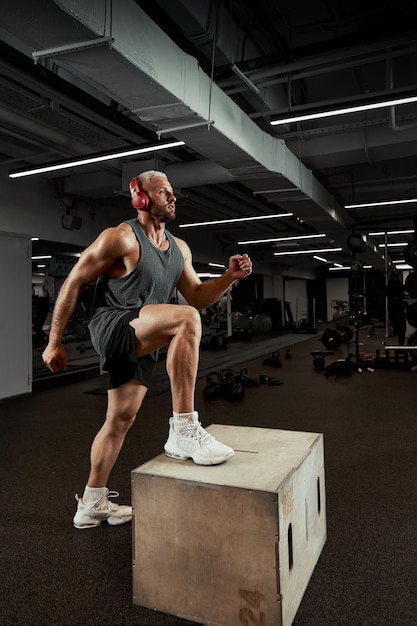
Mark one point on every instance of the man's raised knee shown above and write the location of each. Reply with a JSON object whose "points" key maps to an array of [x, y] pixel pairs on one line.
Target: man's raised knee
{"points": [[191, 319]]}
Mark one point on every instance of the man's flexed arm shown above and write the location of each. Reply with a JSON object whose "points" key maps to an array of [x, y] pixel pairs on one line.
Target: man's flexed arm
{"points": [[110, 246], [203, 294]]}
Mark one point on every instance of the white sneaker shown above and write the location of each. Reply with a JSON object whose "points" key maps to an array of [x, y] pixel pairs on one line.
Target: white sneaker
{"points": [[191, 441], [91, 515]]}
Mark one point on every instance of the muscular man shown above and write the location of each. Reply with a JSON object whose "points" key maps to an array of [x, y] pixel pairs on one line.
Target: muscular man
{"points": [[136, 266]]}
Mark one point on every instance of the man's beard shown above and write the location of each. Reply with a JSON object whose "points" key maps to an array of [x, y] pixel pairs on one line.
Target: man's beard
{"points": [[162, 213]]}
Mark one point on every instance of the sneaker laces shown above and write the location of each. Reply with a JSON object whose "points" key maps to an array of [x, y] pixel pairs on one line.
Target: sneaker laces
{"points": [[194, 430]]}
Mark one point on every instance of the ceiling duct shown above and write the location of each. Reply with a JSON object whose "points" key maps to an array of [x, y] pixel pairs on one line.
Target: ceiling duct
{"points": [[196, 173], [143, 66]]}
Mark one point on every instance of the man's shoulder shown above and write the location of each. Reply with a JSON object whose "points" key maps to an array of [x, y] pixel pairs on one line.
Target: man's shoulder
{"points": [[183, 246], [121, 237], [124, 229]]}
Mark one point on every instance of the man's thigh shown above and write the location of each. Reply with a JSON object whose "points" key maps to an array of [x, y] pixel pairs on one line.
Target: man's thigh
{"points": [[157, 324]]}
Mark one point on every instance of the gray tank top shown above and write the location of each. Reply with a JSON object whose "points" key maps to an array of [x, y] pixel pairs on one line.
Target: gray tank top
{"points": [[152, 281]]}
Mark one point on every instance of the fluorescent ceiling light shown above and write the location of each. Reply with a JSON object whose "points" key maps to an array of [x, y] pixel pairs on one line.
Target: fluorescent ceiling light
{"points": [[308, 251], [345, 110], [207, 275], [40, 258], [281, 239], [217, 265], [404, 266], [319, 258], [347, 267], [393, 245], [236, 219], [92, 158], [34, 238], [410, 231], [364, 205]]}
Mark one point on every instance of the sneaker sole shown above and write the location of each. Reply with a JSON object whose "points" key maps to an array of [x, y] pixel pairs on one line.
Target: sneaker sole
{"points": [[113, 521], [85, 526], [198, 460]]}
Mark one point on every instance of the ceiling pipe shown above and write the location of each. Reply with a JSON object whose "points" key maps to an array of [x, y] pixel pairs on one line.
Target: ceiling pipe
{"points": [[42, 133]]}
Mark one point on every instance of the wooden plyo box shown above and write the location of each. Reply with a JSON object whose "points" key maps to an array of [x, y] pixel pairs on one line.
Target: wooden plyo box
{"points": [[231, 544]]}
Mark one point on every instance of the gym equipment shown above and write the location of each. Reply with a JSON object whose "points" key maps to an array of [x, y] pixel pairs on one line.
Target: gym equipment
{"points": [[243, 334], [398, 360], [346, 367], [397, 357], [276, 479], [305, 326], [356, 243], [240, 320], [246, 381], [288, 354], [319, 361], [268, 380], [215, 341], [333, 338], [341, 311], [228, 385], [273, 359], [241, 326], [218, 340], [140, 199], [213, 388], [410, 285], [82, 348], [261, 324]]}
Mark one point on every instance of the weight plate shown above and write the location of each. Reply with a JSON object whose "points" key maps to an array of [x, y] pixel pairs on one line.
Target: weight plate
{"points": [[347, 333], [332, 339], [410, 284]]}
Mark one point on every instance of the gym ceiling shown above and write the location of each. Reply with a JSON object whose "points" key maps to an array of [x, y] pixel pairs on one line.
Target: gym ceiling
{"points": [[83, 76]]}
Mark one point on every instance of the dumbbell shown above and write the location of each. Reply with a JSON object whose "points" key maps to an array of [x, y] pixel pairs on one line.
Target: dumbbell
{"points": [[333, 338]]}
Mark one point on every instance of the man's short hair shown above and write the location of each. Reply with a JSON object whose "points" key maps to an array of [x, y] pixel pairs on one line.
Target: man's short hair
{"points": [[150, 174]]}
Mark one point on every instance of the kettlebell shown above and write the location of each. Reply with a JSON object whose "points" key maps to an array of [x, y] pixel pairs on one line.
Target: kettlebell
{"points": [[235, 389], [273, 359], [212, 390]]}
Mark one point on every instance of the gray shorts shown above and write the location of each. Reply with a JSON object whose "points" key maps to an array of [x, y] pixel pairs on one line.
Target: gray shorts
{"points": [[118, 349]]}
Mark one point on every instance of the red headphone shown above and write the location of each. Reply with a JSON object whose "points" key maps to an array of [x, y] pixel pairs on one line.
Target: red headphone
{"points": [[140, 199]]}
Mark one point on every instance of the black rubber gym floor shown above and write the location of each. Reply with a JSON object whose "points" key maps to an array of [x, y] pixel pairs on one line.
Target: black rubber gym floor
{"points": [[53, 574]]}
